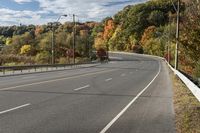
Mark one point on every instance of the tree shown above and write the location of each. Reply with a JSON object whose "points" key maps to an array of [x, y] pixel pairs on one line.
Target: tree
{"points": [[99, 42], [156, 18], [25, 50]]}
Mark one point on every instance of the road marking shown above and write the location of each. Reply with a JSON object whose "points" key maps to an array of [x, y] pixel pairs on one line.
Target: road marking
{"points": [[77, 89], [131, 72], [54, 80], [123, 74], [109, 79], [22, 106], [129, 104]]}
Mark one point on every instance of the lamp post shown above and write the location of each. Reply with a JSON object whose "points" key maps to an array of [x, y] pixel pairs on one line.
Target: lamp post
{"points": [[53, 41], [177, 32]]}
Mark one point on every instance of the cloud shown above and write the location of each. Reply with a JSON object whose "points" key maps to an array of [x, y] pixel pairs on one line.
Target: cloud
{"points": [[22, 1], [10, 17], [50, 10]]}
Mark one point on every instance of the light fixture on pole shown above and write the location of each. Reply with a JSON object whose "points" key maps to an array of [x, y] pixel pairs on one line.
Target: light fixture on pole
{"points": [[53, 41]]}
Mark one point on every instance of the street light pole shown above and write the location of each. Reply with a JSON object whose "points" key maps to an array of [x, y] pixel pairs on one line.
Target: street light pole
{"points": [[177, 35], [53, 40]]}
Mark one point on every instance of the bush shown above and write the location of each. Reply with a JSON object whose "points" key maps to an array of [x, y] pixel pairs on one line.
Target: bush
{"points": [[43, 58], [63, 60], [16, 59]]}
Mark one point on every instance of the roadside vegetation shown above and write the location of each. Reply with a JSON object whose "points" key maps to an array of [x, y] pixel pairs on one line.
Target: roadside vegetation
{"points": [[187, 109], [148, 28]]}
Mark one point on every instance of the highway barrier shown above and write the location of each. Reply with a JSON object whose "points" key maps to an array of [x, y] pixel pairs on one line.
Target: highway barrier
{"points": [[25, 69]]}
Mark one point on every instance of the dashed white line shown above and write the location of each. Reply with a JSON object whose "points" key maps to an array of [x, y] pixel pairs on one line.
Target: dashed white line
{"points": [[130, 72], [55, 80], [80, 88], [123, 74], [15, 108], [129, 104], [109, 79]]}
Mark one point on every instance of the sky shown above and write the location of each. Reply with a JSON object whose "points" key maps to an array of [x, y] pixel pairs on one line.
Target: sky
{"points": [[38, 12]]}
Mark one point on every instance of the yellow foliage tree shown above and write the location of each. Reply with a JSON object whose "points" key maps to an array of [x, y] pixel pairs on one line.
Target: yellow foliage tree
{"points": [[25, 49], [99, 42]]}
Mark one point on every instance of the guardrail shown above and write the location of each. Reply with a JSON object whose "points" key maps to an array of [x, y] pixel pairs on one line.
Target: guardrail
{"points": [[191, 86], [14, 70]]}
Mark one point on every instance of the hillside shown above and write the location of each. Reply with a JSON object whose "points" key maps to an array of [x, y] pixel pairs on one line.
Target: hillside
{"points": [[151, 27]]}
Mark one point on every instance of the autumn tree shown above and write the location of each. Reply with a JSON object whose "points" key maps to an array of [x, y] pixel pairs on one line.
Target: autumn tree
{"points": [[25, 49]]}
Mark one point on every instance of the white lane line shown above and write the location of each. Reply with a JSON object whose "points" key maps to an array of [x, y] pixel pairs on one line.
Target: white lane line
{"points": [[55, 80], [131, 102], [123, 74], [109, 79], [80, 88], [130, 72], [18, 107]]}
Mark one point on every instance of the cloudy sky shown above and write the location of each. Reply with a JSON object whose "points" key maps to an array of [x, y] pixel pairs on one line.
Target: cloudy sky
{"points": [[14, 12]]}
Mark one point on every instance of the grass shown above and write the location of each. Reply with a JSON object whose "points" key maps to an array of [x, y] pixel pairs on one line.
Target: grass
{"points": [[187, 108]]}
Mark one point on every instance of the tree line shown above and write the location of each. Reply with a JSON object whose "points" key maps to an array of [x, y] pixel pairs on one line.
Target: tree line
{"points": [[148, 28]]}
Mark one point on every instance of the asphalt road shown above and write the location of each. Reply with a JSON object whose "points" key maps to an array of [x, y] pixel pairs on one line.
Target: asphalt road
{"points": [[131, 94]]}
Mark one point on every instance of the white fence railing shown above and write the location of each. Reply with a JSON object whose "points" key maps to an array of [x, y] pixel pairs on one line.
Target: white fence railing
{"points": [[191, 86]]}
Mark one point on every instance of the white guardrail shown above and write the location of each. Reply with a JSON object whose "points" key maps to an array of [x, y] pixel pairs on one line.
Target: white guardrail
{"points": [[191, 86]]}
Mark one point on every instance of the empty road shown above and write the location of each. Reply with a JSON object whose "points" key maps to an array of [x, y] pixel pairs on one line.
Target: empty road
{"points": [[130, 94]]}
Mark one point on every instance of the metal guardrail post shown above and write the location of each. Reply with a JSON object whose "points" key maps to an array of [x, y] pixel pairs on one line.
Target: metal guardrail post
{"points": [[4, 72]]}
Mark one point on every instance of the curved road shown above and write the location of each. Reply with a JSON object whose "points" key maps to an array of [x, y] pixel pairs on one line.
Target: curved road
{"points": [[130, 94]]}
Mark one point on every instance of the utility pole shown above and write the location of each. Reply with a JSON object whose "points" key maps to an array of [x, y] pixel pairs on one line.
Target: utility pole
{"points": [[52, 45], [169, 41], [74, 38], [177, 36]]}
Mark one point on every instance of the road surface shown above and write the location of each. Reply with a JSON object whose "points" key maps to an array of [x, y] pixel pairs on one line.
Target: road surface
{"points": [[131, 94]]}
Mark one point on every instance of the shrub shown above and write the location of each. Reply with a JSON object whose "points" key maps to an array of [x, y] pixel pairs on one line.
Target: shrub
{"points": [[43, 58]]}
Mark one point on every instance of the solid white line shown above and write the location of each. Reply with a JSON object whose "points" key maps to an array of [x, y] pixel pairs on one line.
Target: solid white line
{"points": [[54, 80], [108, 79], [127, 106], [3, 112], [77, 89]]}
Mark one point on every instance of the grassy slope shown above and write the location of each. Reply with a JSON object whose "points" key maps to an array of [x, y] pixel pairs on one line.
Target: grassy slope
{"points": [[187, 108]]}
